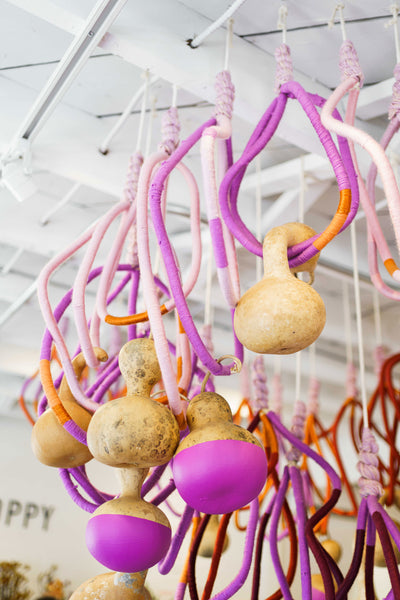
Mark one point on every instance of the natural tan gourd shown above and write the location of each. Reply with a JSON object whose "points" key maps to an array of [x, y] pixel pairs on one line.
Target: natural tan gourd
{"points": [[209, 538], [132, 433], [51, 443], [333, 548], [113, 586], [281, 314], [135, 430]]}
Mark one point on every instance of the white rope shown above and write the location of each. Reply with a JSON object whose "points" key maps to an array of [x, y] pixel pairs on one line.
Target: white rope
{"points": [[298, 376], [282, 17], [313, 365], [277, 364], [377, 318], [174, 95], [347, 322], [198, 39], [302, 190], [338, 8], [394, 9], [209, 278], [259, 260], [228, 43], [142, 111], [360, 340]]}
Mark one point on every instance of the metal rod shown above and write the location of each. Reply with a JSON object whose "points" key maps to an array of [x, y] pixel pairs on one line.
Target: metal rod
{"points": [[45, 218]]}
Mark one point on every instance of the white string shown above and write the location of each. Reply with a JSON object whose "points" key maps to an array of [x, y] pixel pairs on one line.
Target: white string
{"points": [[298, 376], [313, 367], [149, 133], [228, 43], [359, 325], [174, 95], [259, 260], [394, 9], [198, 39], [277, 364], [142, 111], [302, 190], [377, 318], [282, 17], [347, 322], [209, 278], [338, 8]]}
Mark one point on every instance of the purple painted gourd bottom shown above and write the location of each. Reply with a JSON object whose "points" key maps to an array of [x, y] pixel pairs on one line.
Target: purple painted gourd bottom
{"points": [[220, 476], [317, 594], [125, 543]]}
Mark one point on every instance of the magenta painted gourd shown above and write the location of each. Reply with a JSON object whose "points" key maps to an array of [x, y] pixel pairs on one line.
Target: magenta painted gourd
{"points": [[219, 467], [132, 433]]}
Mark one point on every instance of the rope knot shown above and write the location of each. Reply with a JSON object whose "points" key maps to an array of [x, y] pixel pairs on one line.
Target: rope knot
{"points": [[170, 129], [298, 425], [367, 466], [225, 91], [348, 62], [394, 107], [132, 176], [259, 379], [284, 66]]}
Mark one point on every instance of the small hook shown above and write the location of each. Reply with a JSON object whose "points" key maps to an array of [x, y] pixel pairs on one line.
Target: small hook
{"points": [[282, 17], [236, 368]]}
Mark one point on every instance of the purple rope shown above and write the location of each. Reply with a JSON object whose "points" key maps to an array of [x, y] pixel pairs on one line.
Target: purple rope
{"points": [[79, 474], [164, 493], [132, 303], [297, 484], [167, 253], [152, 479], [357, 554], [241, 577], [74, 494], [168, 562], [273, 535]]}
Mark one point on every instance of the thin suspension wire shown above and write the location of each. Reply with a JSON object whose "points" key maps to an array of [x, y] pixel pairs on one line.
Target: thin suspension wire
{"points": [[312, 360], [142, 111], [298, 376], [347, 322], [359, 326], [302, 190], [394, 9], [377, 317], [338, 8], [198, 39], [175, 88], [228, 44], [149, 133], [282, 17]]}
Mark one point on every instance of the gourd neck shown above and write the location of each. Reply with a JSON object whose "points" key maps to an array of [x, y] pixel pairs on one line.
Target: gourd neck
{"points": [[131, 480]]}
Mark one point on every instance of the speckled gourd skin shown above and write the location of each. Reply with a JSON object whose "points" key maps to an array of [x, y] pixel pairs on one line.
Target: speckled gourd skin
{"points": [[51, 443], [281, 314], [135, 430], [209, 417], [113, 586], [129, 502]]}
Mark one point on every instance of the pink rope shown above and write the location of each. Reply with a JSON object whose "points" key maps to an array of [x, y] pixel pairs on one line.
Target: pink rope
{"points": [[348, 62], [132, 177], [351, 381], [223, 130], [284, 66], [367, 466], [259, 378], [313, 396], [297, 429], [394, 107], [370, 145], [183, 351], [379, 359]]}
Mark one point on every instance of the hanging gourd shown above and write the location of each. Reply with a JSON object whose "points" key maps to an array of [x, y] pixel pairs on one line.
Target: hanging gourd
{"points": [[281, 314], [133, 433], [211, 466], [51, 442], [114, 586]]}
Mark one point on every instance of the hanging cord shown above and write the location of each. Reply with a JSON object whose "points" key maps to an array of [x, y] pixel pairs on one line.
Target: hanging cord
{"points": [[313, 385], [379, 353], [297, 429], [198, 39], [259, 261], [276, 387], [228, 44], [331, 23], [145, 75], [394, 9], [259, 379], [367, 466], [351, 372], [284, 66], [152, 116]]}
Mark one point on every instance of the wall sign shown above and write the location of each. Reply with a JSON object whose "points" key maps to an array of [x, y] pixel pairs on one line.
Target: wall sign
{"points": [[15, 512]]}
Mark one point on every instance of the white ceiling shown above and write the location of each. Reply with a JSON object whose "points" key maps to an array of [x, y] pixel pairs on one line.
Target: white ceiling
{"points": [[35, 35]]}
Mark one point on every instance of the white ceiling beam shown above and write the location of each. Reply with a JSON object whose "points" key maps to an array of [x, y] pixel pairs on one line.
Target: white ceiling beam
{"points": [[279, 178], [374, 100]]}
